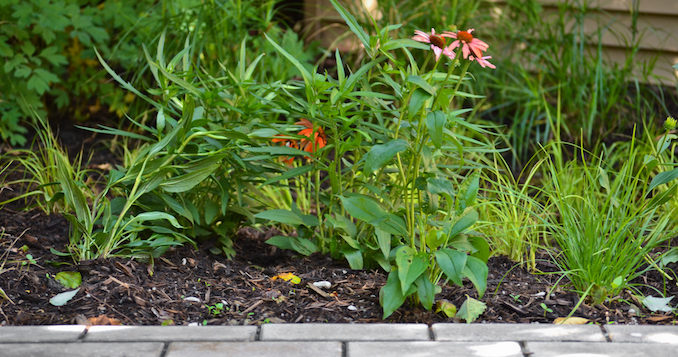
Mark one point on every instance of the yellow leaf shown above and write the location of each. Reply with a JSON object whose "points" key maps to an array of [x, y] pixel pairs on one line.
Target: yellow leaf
{"points": [[570, 321], [288, 277]]}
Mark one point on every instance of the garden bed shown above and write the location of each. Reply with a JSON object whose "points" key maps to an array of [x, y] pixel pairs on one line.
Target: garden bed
{"points": [[187, 285]]}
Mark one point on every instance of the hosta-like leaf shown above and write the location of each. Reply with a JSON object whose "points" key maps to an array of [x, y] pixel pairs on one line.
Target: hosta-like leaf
{"points": [[471, 309], [380, 155]]}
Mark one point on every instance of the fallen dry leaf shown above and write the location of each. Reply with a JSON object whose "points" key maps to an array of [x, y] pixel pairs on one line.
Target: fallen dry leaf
{"points": [[288, 277], [570, 321], [103, 320]]}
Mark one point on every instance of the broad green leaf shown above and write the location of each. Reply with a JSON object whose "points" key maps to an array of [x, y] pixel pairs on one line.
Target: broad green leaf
{"points": [[662, 178], [381, 154], [435, 122], [446, 307], [281, 242], [391, 224], [421, 83], [410, 266], [69, 279], [464, 223], [187, 181], [471, 309], [670, 257], [390, 295], [476, 271], [417, 100], [354, 259], [439, 186], [362, 207], [658, 304], [452, 263], [281, 216], [384, 240], [482, 248], [425, 291], [303, 246], [63, 298]]}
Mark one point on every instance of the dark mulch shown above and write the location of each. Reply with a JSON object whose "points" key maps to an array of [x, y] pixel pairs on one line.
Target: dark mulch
{"points": [[183, 285]]}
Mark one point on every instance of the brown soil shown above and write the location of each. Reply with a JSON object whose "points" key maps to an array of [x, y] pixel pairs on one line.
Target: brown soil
{"points": [[185, 286]]}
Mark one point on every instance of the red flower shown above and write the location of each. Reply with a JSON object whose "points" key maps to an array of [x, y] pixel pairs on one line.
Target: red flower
{"points": [[283, 141], [316, 137]]}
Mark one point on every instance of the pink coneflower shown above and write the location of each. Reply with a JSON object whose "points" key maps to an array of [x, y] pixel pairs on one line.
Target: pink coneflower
{"points": [[469, 44], [437, 42], [483, 62]]}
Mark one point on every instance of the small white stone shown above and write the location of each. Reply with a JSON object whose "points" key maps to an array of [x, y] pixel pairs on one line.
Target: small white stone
{"points": [[324, 284], [183, 261], [193, 324], [632, 311], [192, 298], [352, 308], [541, 293]]}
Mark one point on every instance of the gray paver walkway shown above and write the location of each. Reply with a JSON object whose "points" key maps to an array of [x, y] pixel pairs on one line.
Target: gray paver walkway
{"points": [[342, 340]]}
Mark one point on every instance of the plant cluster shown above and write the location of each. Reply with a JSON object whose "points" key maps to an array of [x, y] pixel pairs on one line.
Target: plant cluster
{"points": [[385, 159]]}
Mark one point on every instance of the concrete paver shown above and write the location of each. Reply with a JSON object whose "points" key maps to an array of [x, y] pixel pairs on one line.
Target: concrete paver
{"points": [[650, 334], [24, 334], [517, 332], [345, 332], [252, 349], [170, 333], [433, 349], [593, 349], [148, 349]]}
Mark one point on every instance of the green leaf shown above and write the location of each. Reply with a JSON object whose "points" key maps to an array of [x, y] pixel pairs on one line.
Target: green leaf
{"points": [[390, 223], [295, 62], [425, 291], [662, 178], [297, 171], [417, 100], [154, 216], [476, 271], [379, 155], [195, 174], [670, 257], [438, 186], [435, 122], [463, 223], [482, 248], [303, 246], [410, 266], [446, 307], [37, 84], [63, 298], [384, 241], [658, 304], [452, 263], [281, 216], [471, 309], [362, 207], [421, 83], [354, 259], [390, 295], [353, 25], [69, 279]]}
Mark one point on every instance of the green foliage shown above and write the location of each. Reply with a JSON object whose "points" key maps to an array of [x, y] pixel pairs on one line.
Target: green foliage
{"points": [[47, 50], [402, 194], [608, 225]]}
